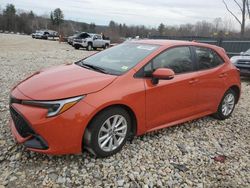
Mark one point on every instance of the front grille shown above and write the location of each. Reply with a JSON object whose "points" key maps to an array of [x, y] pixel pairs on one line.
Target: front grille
{"points": [[78, 40], [244, 62], [21, 124]]}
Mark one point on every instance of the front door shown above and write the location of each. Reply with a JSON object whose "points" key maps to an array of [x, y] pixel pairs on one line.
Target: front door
{"points": [[97, 41], [171, 100]]}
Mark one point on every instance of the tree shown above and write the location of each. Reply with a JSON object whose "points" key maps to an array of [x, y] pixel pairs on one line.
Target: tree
{"points": [[52, 18], [161, 28], [57, 17], [92, 27], [243, 6], [9, 15], [218, 24], [112, 25], [31, 15]]}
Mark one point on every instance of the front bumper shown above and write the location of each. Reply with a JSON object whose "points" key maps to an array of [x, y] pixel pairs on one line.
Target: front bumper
{"points": [[244, 69], [82, 44], [33, 141], [61, 134]]}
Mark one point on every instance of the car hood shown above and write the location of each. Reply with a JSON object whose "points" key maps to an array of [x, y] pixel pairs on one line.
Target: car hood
{"points": [[63, 82], [242, 57]]}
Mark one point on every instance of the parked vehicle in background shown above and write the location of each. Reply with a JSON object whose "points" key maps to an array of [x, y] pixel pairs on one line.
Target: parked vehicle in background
{"points": [[242, 62], [41, 35], [44, 34], [77, 35], [91, 41], [101, 101]]}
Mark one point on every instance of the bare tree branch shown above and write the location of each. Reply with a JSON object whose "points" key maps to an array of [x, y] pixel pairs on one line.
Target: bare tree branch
{"points": [[239, 5], [248, 8], [237, 19]]}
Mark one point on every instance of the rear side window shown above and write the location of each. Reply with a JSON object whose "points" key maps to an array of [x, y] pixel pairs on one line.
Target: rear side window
{"points": [[207, 58], [178, 59]]}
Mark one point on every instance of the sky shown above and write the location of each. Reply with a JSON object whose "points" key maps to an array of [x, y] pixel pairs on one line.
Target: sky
{"points": [[132, 12]]}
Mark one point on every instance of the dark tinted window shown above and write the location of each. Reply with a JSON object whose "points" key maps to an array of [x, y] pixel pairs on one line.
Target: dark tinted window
{"points": [[178, 59], [207, 58], [83, 35], [98, 37]]}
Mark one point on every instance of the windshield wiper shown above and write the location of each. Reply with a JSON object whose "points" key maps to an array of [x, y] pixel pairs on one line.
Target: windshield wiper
{"points": [[93, 67]]}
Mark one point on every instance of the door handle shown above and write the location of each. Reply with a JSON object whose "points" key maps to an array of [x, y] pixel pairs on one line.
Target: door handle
{"points": [[223, 75], [193, 81]]}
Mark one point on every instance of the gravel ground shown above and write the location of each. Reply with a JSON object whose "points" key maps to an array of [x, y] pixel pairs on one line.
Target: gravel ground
{"points": [[200, 153]]}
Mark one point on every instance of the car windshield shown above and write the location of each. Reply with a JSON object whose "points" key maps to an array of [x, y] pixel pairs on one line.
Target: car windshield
{"points": [[82, 35], [119, 59]]}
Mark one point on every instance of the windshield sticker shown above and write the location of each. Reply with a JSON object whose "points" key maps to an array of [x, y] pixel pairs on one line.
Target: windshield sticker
{"points": [[150, 48], [124, 68]]}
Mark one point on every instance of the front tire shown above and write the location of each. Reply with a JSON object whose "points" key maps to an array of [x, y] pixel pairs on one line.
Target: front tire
{"points": [[108, 132], [227, 105], [77, 47], [89, 47]]}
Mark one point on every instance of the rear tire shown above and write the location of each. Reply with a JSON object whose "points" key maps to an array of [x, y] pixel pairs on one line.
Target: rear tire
{"points": [[105, 46], [227, 105], [108, 132]]}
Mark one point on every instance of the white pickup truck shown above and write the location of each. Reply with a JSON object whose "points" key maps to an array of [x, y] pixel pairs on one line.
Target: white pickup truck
{"points": [[90, 41]]}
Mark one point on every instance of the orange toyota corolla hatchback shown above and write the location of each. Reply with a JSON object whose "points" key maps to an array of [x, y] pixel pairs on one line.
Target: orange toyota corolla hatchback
{"points": [[103, 100]]}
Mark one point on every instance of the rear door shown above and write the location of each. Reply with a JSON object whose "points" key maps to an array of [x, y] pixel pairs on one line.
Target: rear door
{"points": [[211, 78]]}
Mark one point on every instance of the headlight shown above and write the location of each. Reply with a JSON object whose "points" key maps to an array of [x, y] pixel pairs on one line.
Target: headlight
{"points": [[55, 107], [233, 60]]}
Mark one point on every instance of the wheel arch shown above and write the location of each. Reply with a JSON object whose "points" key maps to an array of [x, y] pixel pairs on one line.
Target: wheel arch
{"points": [[131, 113], [236, 89]]}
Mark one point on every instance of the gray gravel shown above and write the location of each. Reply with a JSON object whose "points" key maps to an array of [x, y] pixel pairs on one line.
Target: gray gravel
{"points": [[188, 155]]}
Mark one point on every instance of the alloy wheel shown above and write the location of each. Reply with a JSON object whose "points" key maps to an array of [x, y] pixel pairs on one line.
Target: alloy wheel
{"points": [[112, 133], [228, 104]]}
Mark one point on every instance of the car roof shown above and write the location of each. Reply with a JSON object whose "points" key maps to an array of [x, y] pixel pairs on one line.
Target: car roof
{"points": [[168, 43]]}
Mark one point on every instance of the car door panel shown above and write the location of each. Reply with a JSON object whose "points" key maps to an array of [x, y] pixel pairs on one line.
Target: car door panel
{"points": [[212, 74], [170, 100], [211, 88], [97, 41]]}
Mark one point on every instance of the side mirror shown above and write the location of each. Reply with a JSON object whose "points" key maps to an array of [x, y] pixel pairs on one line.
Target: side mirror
{"points": [[162, 74], [242, 53]]}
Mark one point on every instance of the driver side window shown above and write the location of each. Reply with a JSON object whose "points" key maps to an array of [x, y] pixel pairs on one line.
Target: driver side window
{"points": [[178, 59]]}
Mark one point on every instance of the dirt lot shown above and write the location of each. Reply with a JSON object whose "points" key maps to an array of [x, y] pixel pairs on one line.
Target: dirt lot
{"points": [[181, 156]]}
